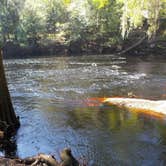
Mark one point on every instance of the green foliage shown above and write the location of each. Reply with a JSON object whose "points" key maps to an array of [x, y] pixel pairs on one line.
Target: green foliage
{"points": [[9, 19], [100, 3], [67, 2], [137, 12], [104, 22], [91, 21], [31, 27], [56, 14]]}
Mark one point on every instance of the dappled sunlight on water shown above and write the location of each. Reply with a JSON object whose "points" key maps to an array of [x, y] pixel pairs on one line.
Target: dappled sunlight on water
{"points": [[59, 104]]}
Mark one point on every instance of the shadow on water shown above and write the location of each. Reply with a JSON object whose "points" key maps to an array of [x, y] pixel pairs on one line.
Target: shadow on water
{"points": [[49, 95]]}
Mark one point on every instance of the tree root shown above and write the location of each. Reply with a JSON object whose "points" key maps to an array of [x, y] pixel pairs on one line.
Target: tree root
{"points": [[67, 159], [9, 146], [41, 159]]}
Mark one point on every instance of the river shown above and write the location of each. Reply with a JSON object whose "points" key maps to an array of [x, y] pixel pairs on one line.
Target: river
{"points": [[50, 96]]}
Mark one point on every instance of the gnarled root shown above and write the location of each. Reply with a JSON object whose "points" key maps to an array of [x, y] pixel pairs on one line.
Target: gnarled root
{"points": [[41, 159], [67, 159]]}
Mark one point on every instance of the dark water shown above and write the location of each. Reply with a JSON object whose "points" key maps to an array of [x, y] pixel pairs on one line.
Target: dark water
{"points": [[49, 93]]}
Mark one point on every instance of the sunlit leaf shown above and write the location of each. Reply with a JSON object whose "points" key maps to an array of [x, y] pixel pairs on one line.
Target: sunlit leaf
{"points": [[101, 3], [67, 2]]}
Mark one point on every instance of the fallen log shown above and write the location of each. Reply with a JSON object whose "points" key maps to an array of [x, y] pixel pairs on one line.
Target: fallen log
{"points": [[133, 46]]}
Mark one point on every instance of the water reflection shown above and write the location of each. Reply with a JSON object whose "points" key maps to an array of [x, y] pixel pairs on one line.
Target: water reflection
{"points": [[49, 95]]}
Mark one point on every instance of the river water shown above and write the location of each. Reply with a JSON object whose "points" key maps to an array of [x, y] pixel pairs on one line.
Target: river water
{"points": [[50, 96]]}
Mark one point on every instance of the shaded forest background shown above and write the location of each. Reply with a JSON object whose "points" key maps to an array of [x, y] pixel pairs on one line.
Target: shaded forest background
{"points": [[68, 27]]}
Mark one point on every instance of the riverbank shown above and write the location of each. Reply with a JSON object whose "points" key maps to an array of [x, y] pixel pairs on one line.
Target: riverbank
{"points": [[11, 50]]}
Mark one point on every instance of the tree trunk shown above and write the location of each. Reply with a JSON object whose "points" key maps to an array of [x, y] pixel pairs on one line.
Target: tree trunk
{"points": [[7, 114]]}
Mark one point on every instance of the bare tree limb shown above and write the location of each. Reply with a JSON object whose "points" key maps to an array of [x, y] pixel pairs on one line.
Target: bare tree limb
{"points": [[133, 46]]}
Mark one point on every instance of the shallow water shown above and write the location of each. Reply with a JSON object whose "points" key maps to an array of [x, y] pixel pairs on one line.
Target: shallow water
{"points": [[50, 94]]}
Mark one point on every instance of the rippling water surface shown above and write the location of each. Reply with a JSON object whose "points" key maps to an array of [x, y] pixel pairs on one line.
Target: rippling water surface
{"points": [[50, 94]]}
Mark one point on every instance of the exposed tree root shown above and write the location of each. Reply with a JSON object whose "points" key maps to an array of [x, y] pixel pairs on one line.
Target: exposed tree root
{"points": [[67, 159]]}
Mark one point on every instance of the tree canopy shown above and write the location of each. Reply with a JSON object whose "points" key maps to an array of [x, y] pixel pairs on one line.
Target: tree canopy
{"points": [[104, 22]]}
